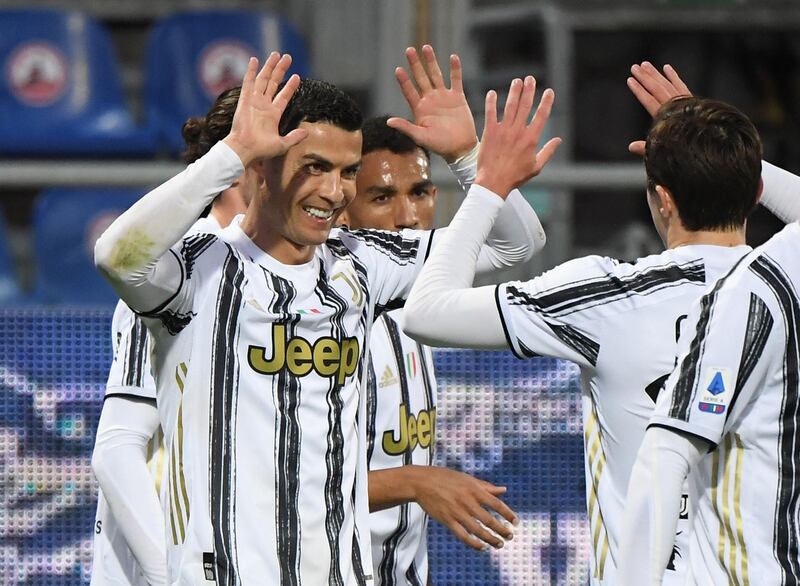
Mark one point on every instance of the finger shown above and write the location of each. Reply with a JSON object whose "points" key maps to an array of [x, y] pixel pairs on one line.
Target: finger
{"points": [[262, 79], [643, 96], [249, 78], [542, 114], [498, 506], [479, 531], [278, 74], [548, 151], [282, 98], [490, 110], [467, 538], [418, 71], [637, 147], [456, 74], [512, 101], [676, 81], [410, 93], [434, 72], [494, 524], [492, 488], [652, 81], [526, 100], [411, 130], [295, 136]]}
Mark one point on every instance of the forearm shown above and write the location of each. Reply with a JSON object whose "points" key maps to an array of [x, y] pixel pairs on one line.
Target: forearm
{"points": [[392, 487], [781, 193], [516, 235], [443, 309], [653, 504], [120, 464], [133, 252]]}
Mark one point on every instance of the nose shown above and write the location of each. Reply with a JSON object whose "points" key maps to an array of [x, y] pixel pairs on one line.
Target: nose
{"points": [[331, 188], [405, 213]]}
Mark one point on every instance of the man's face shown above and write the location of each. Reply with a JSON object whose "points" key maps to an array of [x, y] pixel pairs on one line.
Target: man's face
{"points": [[309, 186], [394, 192]]}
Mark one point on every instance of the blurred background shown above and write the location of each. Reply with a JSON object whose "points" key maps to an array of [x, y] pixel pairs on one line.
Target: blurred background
{"points": [[92, 97]]}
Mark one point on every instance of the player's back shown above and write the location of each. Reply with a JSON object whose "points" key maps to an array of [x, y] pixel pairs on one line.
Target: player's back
{"points": [[619, 322], [739, 387]]}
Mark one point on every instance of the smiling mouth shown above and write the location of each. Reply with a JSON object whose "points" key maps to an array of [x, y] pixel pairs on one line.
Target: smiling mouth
{"points": [[318, 213]]}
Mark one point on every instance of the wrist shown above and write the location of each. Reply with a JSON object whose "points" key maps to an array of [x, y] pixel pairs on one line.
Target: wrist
{"points": [[241, 151], [499, 188], [455, 157]]}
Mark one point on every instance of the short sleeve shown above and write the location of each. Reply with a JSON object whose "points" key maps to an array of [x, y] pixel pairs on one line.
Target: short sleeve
{"points": [[392, 261], [724, 357], [130, 369], [556, 314]]}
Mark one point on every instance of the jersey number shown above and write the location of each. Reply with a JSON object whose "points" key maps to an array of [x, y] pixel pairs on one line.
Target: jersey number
{"points": [[654, 387]]}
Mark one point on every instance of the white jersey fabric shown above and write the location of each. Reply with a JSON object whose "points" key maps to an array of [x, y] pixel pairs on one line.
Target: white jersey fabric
{"points": [[401, 430], [129, 377], [737, 385], [269, 399], [619, 322]]}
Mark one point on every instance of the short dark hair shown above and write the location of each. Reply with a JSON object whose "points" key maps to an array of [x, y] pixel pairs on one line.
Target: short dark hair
{"points": [[708, 154], [376, 135], [320, 101], [203, 132]]}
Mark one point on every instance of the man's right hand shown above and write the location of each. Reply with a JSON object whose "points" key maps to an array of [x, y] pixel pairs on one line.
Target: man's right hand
{"points": [[653, 89], [254, 132]]}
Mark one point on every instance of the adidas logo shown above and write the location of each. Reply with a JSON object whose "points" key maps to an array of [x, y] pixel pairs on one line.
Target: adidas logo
{"points": [[387, 378]]}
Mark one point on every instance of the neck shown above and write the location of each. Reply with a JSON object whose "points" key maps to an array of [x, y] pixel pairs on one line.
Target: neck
{"points": [[272, 242], [727, 238]]}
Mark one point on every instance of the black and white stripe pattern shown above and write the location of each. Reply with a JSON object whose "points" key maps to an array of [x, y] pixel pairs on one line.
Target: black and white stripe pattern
{"points": [[372, 409], [386, 571], [192, 247], [288, 436], [582, 295], [785, 542], [334, 455], [398, 249], [134, 360], [578, 341], [223, 402], [759, 326]]}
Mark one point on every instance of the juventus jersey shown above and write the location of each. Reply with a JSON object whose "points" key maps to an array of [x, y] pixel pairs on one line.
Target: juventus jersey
{"points": [[265, 361], [738, 386], [619, 322], [130, 377], [400, 431]]}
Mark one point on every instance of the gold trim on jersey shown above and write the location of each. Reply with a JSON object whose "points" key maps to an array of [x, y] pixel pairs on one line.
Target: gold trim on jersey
{"points": [[596, 461], [726, 500], [179, 498]]}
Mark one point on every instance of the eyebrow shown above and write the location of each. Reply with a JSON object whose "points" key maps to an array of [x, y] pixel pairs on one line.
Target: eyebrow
{"points": [[382, 190], [313, 157], [424, 184]]}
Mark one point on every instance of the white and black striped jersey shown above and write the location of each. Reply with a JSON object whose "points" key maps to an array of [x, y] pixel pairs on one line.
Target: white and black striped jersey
{"points": [[737, 385], [401, 430], [266, 361], [619, 322], [130, 378]]}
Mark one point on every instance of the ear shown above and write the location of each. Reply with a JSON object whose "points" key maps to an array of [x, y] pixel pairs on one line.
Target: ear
{"points": [[760, 191], [434, 192], [666, 203]]}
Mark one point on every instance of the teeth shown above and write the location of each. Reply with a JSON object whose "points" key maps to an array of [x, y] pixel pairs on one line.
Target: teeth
{"points": [[318, 213]]}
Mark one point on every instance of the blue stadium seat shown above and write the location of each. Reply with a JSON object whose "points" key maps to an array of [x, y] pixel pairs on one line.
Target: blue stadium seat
{"points": [[60, 92], [195, 56], [67, 222]]}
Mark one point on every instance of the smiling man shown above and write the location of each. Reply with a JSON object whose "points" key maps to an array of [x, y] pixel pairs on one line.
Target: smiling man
{"points": [[280, 308]]}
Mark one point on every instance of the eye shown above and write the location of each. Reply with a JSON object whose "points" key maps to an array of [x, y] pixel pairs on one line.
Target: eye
{"points": [[422, 192], [350, 173], [314, 168]]}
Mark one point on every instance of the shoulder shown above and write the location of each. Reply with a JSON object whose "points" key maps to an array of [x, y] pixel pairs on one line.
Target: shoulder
{"points": [[400, 247]]}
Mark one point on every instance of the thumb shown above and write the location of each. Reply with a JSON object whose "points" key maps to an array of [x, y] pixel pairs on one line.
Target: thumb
{"points": [[294, 137], [413, 131], [637, 147]]}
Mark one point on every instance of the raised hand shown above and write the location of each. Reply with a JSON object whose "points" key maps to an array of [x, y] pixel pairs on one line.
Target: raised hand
{"points": [[653, 89], [254, 132], [508, 156], [443, 122], [464, 505]]}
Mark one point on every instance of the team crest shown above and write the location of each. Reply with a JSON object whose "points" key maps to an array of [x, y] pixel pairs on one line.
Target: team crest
{"points": [[37, 73], [717, 390], [222, 65]]}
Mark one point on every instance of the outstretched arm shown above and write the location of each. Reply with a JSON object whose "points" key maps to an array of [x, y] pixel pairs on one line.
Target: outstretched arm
{"points": [[458, 501], [443, 124], [443, 309], [133, 253], [652, 88]]}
